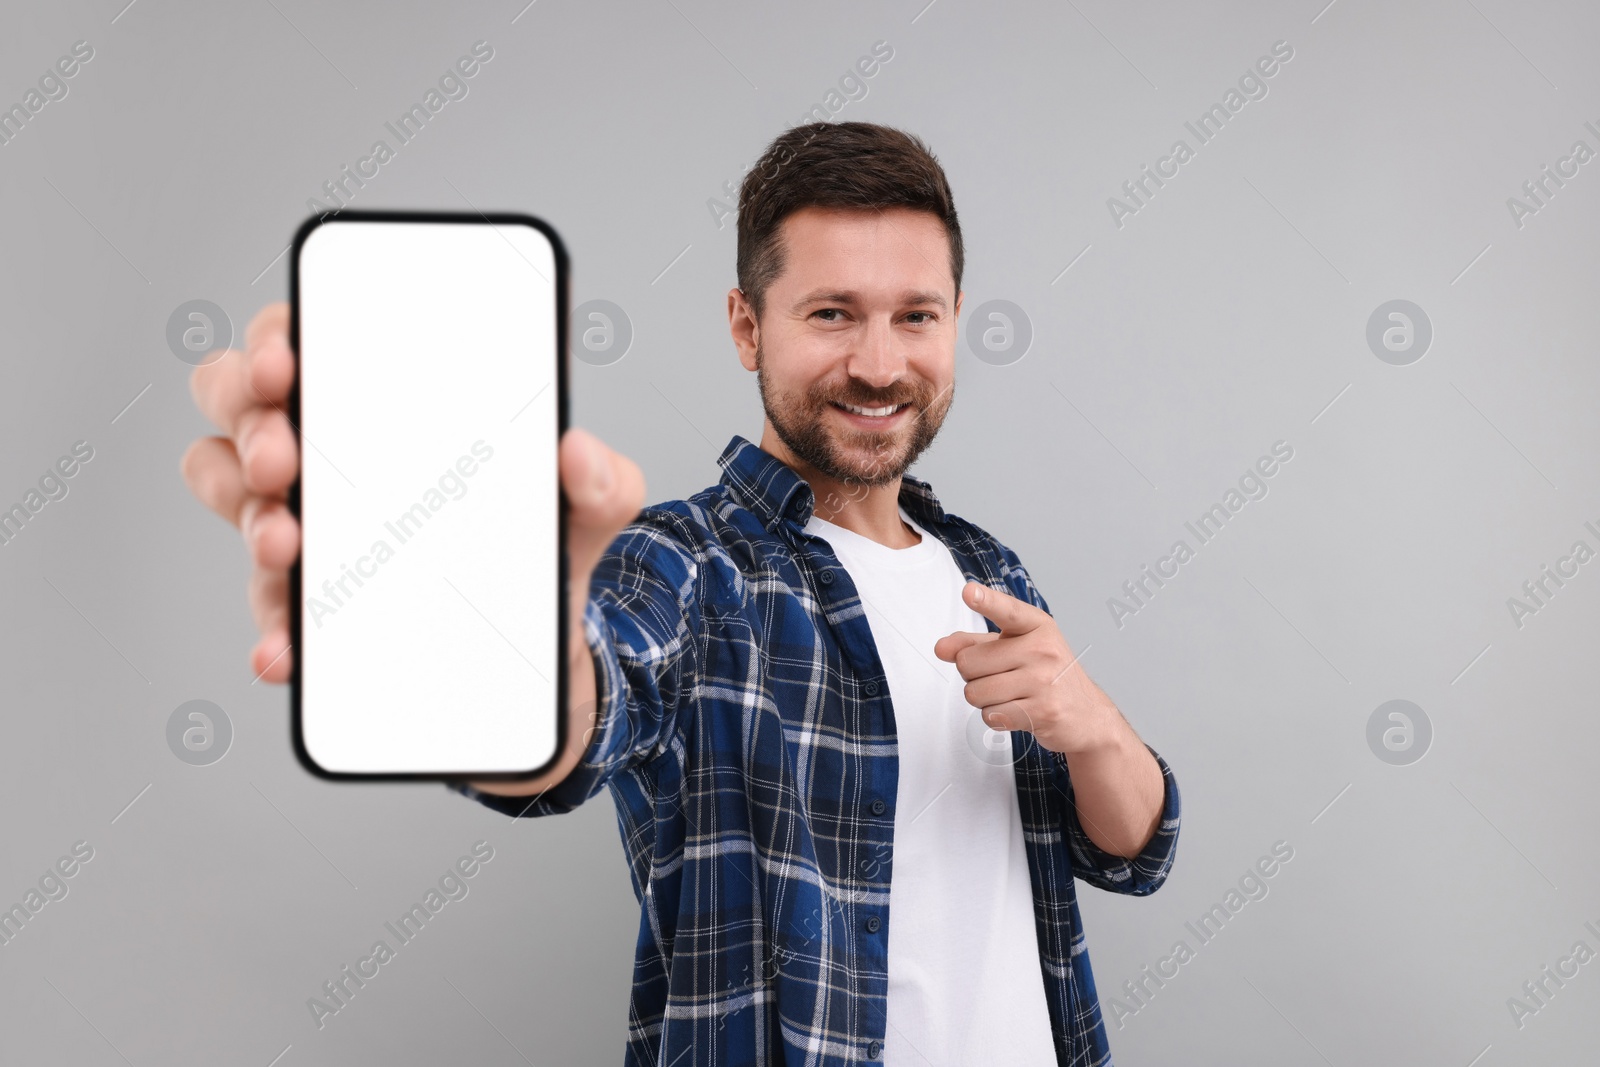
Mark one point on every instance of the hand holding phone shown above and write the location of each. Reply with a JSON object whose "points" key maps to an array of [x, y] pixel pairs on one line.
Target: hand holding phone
{"points": [[246, 476]]}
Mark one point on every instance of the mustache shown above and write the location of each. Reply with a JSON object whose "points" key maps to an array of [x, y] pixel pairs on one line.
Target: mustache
{"points": [[876, 399], [885, 398]]}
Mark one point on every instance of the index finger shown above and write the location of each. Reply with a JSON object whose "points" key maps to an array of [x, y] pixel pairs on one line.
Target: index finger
{"points": [[262, 375], [1013, 616]]}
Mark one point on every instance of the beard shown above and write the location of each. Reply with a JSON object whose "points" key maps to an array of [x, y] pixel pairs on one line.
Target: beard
{"points": [[846, 454]]}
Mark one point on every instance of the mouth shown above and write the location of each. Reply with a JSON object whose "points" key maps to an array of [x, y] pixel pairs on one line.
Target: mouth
{"points": [[872, 418]]}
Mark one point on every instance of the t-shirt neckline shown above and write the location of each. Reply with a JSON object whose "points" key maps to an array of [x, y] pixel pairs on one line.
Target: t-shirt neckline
{"points": [[910, 556]]}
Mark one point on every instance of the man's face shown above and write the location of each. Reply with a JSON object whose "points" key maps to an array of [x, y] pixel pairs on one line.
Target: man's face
{"points": [[863, 317]]}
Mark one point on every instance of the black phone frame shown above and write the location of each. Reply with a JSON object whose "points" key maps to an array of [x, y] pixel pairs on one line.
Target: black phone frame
{"points": [[296, 686]]}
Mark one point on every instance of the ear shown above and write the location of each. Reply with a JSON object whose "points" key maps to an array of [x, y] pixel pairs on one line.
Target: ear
{"points": [[743, 326]]}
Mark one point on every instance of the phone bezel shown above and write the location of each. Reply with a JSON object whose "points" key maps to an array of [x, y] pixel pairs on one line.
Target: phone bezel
{"points": [[497, 218]]}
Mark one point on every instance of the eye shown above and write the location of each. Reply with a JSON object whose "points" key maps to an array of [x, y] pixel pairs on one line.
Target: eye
{"points": [[829, 311], [927, 316]]}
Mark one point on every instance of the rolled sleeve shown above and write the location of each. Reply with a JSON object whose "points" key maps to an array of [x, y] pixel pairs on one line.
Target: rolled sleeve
{"points": [[1144, 873]]}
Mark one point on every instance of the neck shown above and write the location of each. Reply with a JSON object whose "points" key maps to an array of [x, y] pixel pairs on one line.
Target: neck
{"points": [[871, 511]]}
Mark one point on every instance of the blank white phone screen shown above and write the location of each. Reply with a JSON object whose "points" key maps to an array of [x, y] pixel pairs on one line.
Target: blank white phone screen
{"points": [[429, 497]]}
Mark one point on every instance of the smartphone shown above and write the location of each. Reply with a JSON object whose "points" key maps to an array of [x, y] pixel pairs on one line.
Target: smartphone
{"points": [[428, 611]]}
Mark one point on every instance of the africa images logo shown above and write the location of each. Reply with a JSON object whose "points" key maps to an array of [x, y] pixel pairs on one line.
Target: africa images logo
{"points": [[341, 989], [403, 528], [1252, 85]]}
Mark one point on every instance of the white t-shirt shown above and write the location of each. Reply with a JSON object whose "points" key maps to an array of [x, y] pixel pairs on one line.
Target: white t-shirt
{"points": [[965, 984]]}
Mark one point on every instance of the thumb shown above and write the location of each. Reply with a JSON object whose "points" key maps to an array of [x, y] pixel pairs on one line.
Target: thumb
{"points": [[947, 647], [604, 491]]}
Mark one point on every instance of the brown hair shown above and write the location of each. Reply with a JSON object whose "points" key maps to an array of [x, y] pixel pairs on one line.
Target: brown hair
{"points": [[842, 165]]}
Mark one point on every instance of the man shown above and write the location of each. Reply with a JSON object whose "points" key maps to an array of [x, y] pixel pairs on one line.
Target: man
{"points": [[856, 763]]}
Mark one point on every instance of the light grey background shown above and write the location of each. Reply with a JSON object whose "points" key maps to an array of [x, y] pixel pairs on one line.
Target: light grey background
{"points": [[1228, 314]]}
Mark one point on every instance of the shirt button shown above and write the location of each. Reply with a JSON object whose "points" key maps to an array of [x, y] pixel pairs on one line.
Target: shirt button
{"points": [[873, 922], [873, 1048], [871, 688], [878, 807], [827, 577]]}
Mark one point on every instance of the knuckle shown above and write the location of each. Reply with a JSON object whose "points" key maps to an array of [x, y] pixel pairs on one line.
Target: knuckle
{"points": [[250, 469], [250, 525], [275, 424], [255, 522], [254, 370], [244, 435]]}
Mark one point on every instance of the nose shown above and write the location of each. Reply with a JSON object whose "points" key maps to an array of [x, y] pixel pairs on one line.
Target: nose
{"points": [[876, 360]]}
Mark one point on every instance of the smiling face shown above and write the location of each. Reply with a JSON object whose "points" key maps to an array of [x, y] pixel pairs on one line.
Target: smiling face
{"points": [[855, 349]]}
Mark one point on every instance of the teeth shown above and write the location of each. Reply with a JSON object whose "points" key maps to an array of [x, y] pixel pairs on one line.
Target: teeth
{"points": [[876, 412]]}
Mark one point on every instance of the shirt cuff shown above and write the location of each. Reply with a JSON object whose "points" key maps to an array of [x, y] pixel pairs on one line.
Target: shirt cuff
{"points": [[1144, 873]]}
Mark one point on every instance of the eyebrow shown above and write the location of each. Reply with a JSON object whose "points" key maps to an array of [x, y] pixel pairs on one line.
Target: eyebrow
{"points": [[844, 296]]}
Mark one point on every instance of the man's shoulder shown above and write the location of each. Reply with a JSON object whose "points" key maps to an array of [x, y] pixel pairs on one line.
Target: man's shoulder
{"points": [[707, 516], [709, 525], [921, 503], [966, 537]]}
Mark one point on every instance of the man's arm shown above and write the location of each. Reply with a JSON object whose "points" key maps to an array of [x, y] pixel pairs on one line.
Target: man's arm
{"points": [[1117, 784], [1122, 805], [1139, 874]]}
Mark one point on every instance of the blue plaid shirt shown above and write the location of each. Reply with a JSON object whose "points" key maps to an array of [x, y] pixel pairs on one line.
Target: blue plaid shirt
{"points": [[746, 731]]}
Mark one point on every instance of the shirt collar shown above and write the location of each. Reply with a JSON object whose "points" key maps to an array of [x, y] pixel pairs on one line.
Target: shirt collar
{"points": [[770, 489]]}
